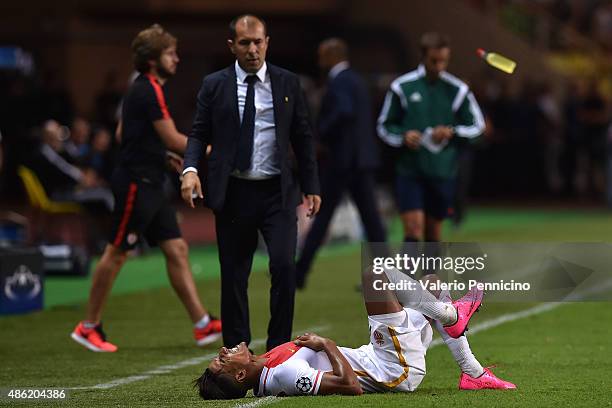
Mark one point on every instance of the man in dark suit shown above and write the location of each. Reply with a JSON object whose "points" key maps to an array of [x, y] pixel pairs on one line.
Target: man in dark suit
{"points": [[254, 117], [346, 133]]}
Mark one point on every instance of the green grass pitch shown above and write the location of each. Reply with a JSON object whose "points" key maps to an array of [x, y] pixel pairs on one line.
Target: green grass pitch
{"points": [[562, 357]]}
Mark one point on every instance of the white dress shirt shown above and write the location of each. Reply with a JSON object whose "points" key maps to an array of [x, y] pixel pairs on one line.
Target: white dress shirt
{"points": [[265, 160], [338, 68]]}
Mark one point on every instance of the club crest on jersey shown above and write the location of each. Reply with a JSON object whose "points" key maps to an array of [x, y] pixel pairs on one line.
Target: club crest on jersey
{"points": [[132, 238], [378, 338], [303, 385], [416, 97]]}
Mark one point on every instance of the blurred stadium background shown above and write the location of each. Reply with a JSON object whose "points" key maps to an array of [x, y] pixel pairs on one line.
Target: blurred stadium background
{"points": [[548, 123], [542, 171]]}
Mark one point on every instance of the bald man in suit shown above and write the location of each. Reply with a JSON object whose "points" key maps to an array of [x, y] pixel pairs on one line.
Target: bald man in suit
{"points": [[254, 117]]}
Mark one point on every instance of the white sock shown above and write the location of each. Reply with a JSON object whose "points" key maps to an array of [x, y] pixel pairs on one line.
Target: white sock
{"points": [[460, 349], [421, 299], [203, 322]]}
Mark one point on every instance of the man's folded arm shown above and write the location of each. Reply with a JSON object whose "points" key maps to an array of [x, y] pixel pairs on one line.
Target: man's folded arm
{"points": [[342, 380]]}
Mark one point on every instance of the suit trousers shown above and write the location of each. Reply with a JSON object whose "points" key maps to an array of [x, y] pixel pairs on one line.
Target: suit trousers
{"points": [[253, 206]]}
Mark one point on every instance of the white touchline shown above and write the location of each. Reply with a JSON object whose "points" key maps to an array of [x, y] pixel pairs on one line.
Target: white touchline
{"points": [[261, 401], [489, 324], [165, 369]]}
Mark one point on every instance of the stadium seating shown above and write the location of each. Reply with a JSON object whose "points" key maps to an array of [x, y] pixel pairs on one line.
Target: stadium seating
{"points": [[38, 197], [51, 221]]}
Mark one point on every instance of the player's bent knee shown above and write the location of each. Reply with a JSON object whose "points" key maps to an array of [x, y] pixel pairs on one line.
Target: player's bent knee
{"points": [[120, 259], [431, 281], [414, 224], [114, 255], [176, 250], [413, 230], [367, 275]]}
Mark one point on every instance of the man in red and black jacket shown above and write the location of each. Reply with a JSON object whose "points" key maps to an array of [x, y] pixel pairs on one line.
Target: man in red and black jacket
{"points": [[147, 131]]}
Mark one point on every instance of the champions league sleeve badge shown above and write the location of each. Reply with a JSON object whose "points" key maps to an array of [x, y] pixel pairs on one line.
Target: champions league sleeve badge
{"points": [[303, 385]]}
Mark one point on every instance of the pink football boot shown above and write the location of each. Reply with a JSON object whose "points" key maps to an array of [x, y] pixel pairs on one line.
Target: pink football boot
{"points": [[466, 307], [487, 381]]}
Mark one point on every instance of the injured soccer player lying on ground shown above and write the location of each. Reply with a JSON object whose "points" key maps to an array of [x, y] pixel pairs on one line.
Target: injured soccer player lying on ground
{"points": [[393, 361]]}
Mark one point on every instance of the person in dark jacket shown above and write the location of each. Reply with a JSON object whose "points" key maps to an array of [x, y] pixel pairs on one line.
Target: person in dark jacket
{"points": [[347, 134]]}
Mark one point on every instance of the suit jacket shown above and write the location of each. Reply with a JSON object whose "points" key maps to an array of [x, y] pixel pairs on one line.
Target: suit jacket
{"points": [[346, 125], [217, 122]]}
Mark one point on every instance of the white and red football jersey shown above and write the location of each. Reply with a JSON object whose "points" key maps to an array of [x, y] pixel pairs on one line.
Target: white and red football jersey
{"points": [[393, 360], [289, 371]]}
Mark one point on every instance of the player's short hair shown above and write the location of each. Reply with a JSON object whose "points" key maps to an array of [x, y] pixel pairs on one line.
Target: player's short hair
{"points": [[219, 386], [433, 40], [232, 24], [149, 45]]}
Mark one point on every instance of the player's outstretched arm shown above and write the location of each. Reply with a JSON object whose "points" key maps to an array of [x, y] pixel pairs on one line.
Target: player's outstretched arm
{"points": [[342, 380]]}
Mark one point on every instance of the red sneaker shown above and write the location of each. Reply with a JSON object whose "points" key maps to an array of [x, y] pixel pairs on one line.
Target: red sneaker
{"points": [[209, 334], [466, 307], [486, 381], [92, 338]]}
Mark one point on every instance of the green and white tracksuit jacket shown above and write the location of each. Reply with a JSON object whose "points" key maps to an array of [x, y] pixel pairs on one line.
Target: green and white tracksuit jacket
{"points": [[415, 103]]}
